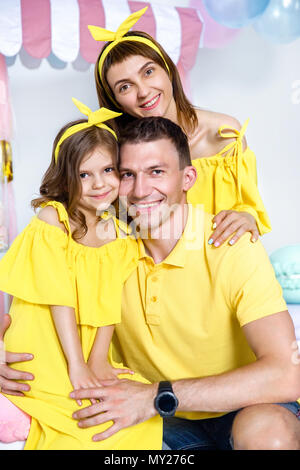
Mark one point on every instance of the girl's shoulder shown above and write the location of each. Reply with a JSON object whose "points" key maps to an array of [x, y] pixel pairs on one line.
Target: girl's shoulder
{"points": [[206, 140], [50, 215]]}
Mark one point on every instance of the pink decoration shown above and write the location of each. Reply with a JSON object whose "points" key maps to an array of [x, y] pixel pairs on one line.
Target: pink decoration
{"points": [[8, 224], [5, 110], [91, 12], [147, 21], [35, 30], [14, 423], [36, 27], [191, 30], [215, 35]]}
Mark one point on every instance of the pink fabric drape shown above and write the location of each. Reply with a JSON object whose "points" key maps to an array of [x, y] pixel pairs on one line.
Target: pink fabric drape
{"points": [[7, 194]]}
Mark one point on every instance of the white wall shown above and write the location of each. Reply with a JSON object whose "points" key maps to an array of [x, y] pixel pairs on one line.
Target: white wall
{"points": [[254, 78], [249, 78]]}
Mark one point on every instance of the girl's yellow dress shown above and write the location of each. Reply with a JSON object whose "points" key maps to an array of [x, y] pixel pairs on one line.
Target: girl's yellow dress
{"points": [[43, 267], [228, 180]]}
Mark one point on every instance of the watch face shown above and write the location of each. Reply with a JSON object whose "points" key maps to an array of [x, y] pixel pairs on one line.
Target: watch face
{"points": [[167, 402]]}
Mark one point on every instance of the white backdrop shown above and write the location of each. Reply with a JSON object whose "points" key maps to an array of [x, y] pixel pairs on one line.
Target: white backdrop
{"points": [[248, 78]]}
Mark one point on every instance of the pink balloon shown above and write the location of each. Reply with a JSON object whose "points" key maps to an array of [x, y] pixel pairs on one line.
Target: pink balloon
{"points": [[14, 423], [215, 35]]}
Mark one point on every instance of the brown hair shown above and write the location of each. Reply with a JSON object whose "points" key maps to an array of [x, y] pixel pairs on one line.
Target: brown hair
{"points": [[61, 181], [154, 128], [186, 114]]}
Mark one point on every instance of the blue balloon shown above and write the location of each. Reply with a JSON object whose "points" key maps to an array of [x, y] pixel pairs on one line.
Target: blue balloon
{"points": [[280, 22], [286, 264], [235, 13]]}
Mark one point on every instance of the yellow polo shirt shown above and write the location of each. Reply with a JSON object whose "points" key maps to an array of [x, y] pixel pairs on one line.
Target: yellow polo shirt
{"points": [[182, 318]]}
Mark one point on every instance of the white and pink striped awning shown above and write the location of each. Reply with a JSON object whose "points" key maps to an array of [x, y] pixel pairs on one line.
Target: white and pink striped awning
{"points": [[59, 27]]}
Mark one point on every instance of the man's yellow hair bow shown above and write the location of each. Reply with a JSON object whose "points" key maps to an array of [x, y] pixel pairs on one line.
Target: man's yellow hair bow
{"points": [[96, 118], [101, 34]]}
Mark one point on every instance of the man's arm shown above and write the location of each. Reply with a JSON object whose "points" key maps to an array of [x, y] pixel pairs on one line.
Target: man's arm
{"points": [[273, 377], [8, 375]]}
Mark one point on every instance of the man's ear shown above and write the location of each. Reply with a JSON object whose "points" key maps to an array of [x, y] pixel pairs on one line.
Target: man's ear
{"points": [[189, 177]]}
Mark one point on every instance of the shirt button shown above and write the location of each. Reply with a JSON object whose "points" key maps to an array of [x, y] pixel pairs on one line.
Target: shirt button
{"points": [[154, 298], [154, 279]]}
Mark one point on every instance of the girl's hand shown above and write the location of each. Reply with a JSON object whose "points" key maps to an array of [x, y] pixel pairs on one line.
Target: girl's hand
{"points": [[228, 222], [82, 376], [104, 371]]}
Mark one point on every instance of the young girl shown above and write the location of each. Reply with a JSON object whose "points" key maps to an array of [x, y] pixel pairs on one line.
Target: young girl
{"points": [[135, 75], [66, 271]]}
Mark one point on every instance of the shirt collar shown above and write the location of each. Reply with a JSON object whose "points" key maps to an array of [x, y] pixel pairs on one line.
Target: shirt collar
{"points": [[191, 239]]}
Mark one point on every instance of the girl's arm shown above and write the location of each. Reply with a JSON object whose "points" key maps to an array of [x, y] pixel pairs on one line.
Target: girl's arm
{"points": [[66, 327], [99, 352], [98, 360]]}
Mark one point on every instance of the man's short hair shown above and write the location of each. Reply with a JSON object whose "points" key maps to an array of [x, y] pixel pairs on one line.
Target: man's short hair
{"points": [[154, 128]]}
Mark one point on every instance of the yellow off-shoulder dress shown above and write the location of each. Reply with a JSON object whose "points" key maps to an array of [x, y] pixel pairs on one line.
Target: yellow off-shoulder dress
{"points": [[43, 267], [228, 180]]}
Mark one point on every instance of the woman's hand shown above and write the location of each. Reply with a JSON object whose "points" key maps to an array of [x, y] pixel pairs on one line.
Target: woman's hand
{"points": [[230, 222], [9, 378]]}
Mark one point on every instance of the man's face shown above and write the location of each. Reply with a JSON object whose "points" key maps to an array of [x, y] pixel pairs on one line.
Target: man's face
{"points": [[152, 185]]}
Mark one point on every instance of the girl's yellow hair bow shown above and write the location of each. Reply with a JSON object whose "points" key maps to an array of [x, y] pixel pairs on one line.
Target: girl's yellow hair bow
{"points": [[96, 118]]}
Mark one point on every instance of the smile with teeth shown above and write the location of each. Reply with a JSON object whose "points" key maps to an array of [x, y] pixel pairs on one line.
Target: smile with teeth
{"points": [[151, 103], [145, 206]]}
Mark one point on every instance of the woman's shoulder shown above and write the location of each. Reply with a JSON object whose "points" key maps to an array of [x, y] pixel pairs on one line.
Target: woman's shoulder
{"points": [[207, 141], [215, 120]]}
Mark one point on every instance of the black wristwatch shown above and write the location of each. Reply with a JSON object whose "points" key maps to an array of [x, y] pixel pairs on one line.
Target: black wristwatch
{"points": [[165, 402]]}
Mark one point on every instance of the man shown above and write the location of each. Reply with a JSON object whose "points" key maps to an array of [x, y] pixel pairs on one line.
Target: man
{"points": [[207, 327]]}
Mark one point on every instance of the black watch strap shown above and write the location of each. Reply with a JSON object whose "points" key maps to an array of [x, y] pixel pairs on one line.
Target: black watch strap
{"points": [[164, 386]]}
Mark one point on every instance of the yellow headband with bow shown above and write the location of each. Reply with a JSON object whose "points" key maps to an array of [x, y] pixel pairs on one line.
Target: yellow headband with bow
{"points": [[101, 34], [96, 118]]}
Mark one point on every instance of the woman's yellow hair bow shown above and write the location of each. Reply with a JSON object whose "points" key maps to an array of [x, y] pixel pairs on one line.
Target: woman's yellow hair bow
{"points": [[101, 34], [96, 118]]}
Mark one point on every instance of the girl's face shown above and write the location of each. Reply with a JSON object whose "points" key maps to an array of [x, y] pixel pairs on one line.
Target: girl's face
{"points": [[99, 181], [142, 88]]}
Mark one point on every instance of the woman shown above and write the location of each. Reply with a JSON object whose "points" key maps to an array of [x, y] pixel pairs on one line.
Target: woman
{"points": [[135, 75]]}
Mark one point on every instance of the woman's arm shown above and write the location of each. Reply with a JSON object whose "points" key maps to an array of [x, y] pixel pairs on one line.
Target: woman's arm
{"points": [[10, 379]]}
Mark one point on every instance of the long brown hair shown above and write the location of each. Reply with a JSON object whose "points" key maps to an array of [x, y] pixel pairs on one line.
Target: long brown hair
{"points": [[61, 181], [186, 114]]}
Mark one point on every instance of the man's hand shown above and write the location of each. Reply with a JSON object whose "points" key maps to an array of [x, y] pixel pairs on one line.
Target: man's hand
{"points": [[9, 376], [124, 402], [231, 222]]}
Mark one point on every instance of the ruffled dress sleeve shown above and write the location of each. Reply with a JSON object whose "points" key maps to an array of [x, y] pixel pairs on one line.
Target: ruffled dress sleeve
{"points": [[228, 180], [36, 267]]}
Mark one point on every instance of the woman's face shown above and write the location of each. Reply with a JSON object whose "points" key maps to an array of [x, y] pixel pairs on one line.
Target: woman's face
{"points": [[142, 88]]}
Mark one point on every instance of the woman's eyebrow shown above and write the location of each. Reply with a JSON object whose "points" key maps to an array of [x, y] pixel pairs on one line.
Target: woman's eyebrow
{"points": [[139, 71]]}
